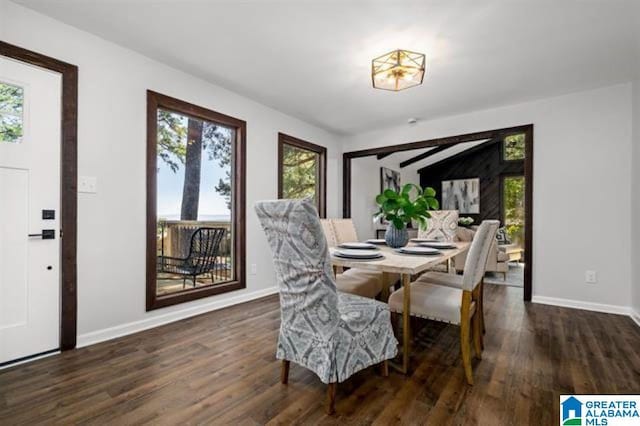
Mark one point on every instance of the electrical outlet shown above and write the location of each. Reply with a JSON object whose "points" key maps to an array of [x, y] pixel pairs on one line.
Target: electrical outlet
{"points": [[591, 277], [87, 184], [254, 269]]}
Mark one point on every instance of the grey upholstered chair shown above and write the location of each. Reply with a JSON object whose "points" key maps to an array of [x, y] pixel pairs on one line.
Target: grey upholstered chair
{"points": [[331, 333], [459, 306]]}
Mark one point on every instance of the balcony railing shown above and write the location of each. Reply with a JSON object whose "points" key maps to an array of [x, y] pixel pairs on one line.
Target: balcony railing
{"points": [[174, 239]]}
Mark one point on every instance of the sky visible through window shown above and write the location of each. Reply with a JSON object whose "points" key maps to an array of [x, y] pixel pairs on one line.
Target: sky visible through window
{"points": [[212, 205]]}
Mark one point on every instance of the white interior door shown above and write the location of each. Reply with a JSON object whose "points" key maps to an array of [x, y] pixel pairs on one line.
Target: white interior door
{"points": [[30, 119]]}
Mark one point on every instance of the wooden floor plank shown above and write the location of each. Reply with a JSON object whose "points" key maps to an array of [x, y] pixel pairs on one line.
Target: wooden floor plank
{"points": [[219, 368]]}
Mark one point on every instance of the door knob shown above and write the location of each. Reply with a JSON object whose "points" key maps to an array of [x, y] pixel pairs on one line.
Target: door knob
{"points": [[47, 234]]}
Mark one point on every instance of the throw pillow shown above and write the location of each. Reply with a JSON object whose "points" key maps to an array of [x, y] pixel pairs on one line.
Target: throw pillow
{"points": [[502, 237]]}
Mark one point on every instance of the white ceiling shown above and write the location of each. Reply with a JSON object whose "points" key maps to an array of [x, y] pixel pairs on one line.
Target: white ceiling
{"points": [[311, 59]]}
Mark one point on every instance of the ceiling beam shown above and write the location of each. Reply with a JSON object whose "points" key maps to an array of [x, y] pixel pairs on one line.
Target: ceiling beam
{"points": [[425, 155], [462, 153]]}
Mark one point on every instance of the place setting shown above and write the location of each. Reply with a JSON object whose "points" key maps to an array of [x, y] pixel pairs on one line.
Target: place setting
{"points": [[358, 246], [377, 241], [418, 250], [423, 240], [357, 250], [357, 254], [442, 245]]}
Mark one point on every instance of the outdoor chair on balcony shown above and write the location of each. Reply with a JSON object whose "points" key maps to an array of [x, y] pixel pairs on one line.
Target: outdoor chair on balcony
{"points": [[201, 259]]}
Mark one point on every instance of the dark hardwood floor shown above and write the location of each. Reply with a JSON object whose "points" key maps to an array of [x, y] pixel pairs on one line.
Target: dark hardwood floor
{"points": [[219, 368]]}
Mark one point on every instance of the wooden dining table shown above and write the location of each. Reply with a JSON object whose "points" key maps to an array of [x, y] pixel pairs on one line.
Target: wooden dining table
{"points": [[407, 265]]}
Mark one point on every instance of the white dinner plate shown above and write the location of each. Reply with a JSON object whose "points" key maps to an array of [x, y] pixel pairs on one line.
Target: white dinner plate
{"points": [[423, 240], [378, 241], [357, 246], [419, 250], [357, 253], [439, 245]]}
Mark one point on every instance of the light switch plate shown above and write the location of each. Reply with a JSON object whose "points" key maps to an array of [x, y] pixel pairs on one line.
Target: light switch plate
{"points": [[591, 277], [87, 184]]}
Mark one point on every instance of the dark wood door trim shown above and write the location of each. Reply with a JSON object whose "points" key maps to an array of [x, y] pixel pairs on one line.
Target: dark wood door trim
{"points": [[154, 101], [527, 129], [68, 184], [322, 153]]}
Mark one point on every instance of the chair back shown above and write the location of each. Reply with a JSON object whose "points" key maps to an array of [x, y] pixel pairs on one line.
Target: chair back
{"points": [[345, 230], [308, 295], [204, 249], [442, 225], [329, 233], [475, 265]]}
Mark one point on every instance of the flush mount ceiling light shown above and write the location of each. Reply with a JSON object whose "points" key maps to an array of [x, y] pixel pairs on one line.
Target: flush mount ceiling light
{"points": [[397, 70]]}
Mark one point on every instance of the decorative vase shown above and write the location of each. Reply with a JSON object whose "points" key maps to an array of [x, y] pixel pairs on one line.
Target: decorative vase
{"points": [[395, 237]]}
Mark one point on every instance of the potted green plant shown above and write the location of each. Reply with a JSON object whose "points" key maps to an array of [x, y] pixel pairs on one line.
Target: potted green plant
{"points": [[399, 209]]}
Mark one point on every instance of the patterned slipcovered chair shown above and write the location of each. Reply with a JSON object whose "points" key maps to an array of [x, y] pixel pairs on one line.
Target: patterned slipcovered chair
{"points": [[441, 226], [331, 333]]}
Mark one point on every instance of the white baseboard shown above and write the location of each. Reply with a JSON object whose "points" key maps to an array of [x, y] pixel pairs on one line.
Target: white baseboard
{"points": [[587, 306], [158, 320], [635, 316]]}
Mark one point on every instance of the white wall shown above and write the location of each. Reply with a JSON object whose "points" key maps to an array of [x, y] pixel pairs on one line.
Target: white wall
{"points": [[365, 185], [582, 182], [635, 198], [112, 131]]}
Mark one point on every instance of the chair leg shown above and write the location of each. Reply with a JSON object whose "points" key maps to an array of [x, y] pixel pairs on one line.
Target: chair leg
{"points": [[384, 368], [331, 398], [395, 323], [284, 372], [465, 348], [184, 281], [481, 307], [477, 334], [484, 330]]}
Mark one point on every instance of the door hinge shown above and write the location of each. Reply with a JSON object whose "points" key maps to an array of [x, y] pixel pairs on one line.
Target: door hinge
{"points": [[60, 233]]}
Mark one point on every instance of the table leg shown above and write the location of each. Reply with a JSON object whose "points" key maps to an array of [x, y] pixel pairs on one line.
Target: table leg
{"points": [[384, 295], [406, 322], [337, 270]]}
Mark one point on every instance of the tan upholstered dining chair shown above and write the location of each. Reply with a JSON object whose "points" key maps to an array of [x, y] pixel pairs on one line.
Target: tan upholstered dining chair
{"points": [[345, 230], [459, 305], [354, 281]]}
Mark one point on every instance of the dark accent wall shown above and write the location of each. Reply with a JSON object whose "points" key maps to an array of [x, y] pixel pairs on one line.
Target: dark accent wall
{"points": [[483, 161]]}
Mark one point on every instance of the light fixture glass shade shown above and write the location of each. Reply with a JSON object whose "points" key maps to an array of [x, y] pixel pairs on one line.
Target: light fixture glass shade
{"points": [[398, 70]]}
